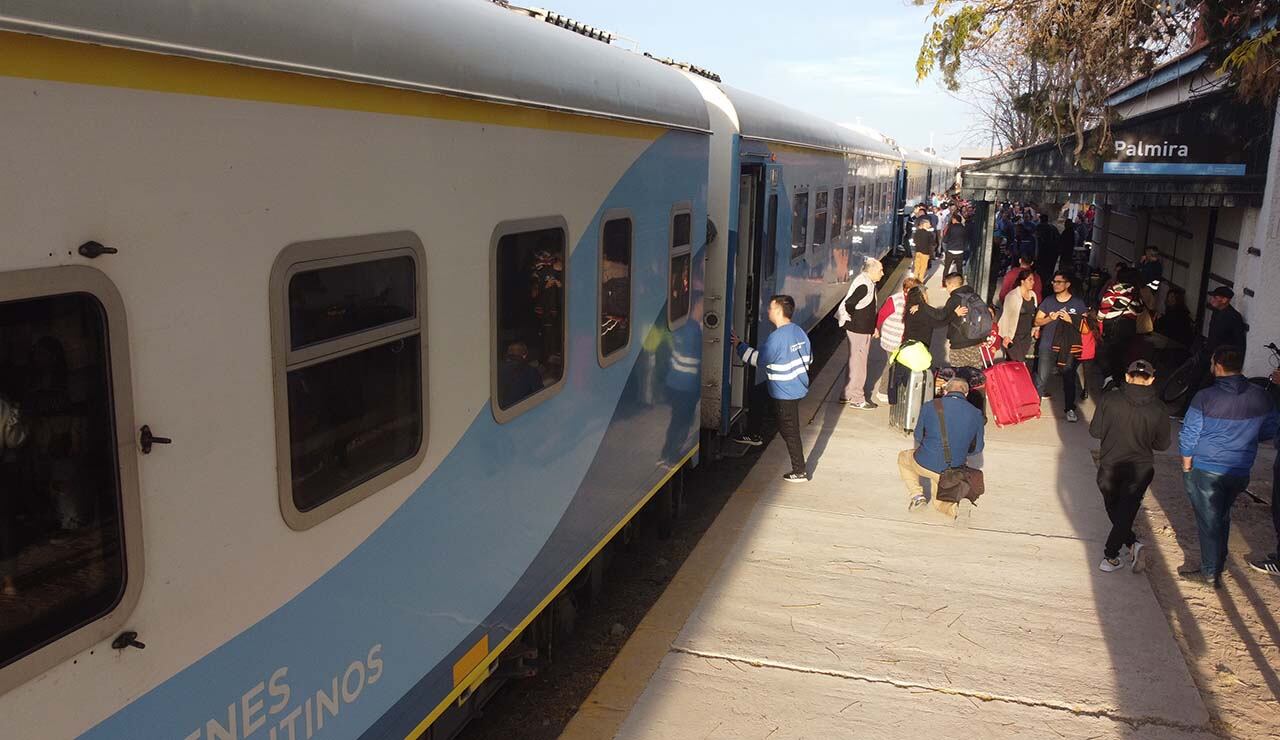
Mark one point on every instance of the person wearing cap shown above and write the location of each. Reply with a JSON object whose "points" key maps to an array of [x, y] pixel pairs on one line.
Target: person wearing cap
{"points": [[1131, 424], [1226, 329], [1226, 326], [1219, 444]]}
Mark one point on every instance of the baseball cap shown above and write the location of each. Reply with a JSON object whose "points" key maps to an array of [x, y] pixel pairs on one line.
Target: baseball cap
{"points": [[1141, 367], [1223, 291]]}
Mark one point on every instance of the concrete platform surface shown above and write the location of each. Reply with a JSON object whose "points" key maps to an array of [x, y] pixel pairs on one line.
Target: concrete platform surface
{"points": [[828, 610]]}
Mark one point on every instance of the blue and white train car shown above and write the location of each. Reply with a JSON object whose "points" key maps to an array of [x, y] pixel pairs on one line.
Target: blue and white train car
{"points": [[335, 339], [804, 201]]}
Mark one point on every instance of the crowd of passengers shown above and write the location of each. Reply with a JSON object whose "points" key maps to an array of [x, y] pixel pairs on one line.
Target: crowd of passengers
{"points": [[1068, 322]]}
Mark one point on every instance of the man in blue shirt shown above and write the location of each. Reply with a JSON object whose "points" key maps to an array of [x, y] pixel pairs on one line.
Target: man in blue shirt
{"points": [[1219, 443], [927, 460], [786, 356]]}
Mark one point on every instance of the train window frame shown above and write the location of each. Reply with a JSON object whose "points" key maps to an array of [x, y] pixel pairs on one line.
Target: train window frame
{"points": [[675, 251], [318, 254], [799, 250], [837, 214], [824, 221], [50, 282], [511, 228], [609, 216]]}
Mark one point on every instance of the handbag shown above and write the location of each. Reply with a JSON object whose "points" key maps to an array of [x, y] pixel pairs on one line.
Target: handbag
{"points": [[1088, 342], [956, 484]]}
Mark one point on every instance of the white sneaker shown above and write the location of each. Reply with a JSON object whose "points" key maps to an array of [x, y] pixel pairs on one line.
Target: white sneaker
{"points": [[1110, 565], [1135, 557]]}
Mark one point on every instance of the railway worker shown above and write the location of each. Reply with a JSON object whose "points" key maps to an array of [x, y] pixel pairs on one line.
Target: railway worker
{"points": [[856, 314], [786, 355], [1131, 424], [927, 459], [1219, 443]]}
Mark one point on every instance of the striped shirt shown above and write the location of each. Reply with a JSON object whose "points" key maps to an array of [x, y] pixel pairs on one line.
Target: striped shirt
{"points": [[785, 356]]}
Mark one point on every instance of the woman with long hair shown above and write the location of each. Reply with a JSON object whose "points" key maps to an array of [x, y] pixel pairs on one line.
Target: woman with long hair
{"points": [[1017, 317]]}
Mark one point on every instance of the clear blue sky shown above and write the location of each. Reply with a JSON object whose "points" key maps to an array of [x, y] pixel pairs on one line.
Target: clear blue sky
{"points": [[844, 60]]}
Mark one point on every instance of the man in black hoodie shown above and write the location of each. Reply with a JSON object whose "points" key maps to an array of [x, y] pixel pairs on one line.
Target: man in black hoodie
{"points": [[1131, 422]]}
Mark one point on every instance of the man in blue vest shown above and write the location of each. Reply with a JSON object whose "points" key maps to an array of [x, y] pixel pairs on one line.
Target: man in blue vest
{"points": [[785, 356]]}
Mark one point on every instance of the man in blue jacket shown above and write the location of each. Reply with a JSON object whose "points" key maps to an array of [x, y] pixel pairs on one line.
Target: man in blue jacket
{"points": [[786, 356], [1219, 442], [927, 460]]}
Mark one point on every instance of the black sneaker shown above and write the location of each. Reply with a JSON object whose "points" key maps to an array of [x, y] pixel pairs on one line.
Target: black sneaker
{"points": [[796, 478], [865, 405], [751, 440], [1269, 565]]}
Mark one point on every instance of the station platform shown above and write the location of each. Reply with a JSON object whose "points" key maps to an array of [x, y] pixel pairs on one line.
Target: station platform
{"points": [[827, 610]]}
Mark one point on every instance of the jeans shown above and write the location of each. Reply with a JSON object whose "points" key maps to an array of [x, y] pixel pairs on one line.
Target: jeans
{"points": [[1047, 365], [789, 428], [1212, 495], [1123, 487]]}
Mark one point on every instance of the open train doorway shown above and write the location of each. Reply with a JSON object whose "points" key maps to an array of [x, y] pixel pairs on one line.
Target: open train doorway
{"points": [[753, 262]]}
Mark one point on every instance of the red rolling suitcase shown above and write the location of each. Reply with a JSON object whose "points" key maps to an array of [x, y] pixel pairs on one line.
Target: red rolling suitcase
{"points": [[1012, 394]]}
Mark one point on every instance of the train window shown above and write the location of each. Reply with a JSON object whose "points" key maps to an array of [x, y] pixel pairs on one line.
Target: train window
{"points": [[850, 220], [530, 279], [837, 209], [350, 406], [820, 208], [681, 264], [615, 288], [345, 299], [861, 217], [769, 254], [70, 545], [799, 224]]}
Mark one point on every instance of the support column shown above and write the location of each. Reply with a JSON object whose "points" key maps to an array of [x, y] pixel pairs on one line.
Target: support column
{"points": [[982, 261], [1258, 270]]}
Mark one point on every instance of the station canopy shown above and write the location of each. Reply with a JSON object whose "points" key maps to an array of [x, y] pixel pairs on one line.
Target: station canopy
{"points": [[1210, 151]]}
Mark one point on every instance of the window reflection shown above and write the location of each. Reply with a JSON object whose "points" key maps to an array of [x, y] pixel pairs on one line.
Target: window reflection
{"points": [[61, 539]]}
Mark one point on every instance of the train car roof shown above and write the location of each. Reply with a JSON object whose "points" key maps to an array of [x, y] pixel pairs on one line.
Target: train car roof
{"points": [[919, 155], [764, 119], [465, 48]]}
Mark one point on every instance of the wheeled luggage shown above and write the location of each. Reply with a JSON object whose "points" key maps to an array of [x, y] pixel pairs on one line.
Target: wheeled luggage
{"points": [[915, 388], [1011, 393]]}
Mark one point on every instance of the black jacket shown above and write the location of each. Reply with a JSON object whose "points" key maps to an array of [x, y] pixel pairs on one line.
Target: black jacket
{"points": [[1131, 422], [918, 326], [947, 315], [925, 240], [956, 240], [1226, 329]]}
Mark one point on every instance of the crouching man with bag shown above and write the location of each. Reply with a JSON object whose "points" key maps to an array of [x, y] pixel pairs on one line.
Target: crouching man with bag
{"points": [[949, 430]]}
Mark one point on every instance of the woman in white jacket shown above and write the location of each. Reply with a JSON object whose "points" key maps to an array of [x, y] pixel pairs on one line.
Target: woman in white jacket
{"points": [[1017, 318]]}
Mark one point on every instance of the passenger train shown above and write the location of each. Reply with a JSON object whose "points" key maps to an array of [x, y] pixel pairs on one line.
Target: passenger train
{"points": [[338, 340]]}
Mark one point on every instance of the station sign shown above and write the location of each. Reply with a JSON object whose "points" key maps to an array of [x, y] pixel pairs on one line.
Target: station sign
{"points": [[1205, 140]]}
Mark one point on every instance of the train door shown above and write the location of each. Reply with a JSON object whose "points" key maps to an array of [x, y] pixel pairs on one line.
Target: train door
{"points": [[753, 268]]}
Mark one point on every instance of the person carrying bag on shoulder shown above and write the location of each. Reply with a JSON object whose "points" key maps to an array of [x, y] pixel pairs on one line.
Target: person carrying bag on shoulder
{"points": [[948, 424]]}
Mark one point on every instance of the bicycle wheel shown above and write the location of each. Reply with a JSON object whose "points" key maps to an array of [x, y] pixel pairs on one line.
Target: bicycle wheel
{"points": [[1179, 382]]}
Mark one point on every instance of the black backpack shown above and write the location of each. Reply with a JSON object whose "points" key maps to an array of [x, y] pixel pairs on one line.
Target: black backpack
{"points": [[977, 323]]}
